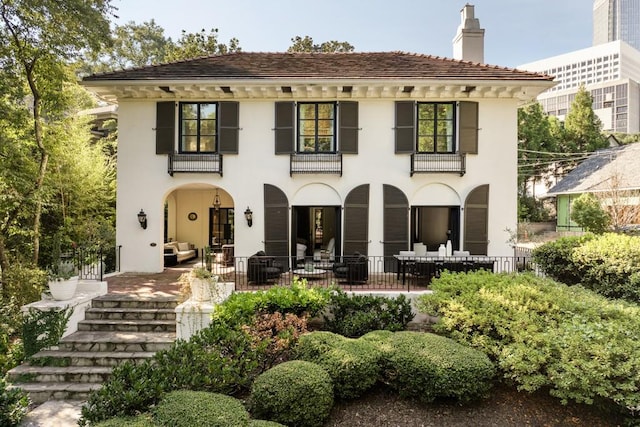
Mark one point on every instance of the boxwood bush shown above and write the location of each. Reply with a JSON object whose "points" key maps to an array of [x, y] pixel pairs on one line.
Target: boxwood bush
{"points": [[428, 366], [355, 315], [14, 404], [264, 423], [544, 334], [556, 258], [142, 420], [185, 408], [353, 364], [295, 393]]}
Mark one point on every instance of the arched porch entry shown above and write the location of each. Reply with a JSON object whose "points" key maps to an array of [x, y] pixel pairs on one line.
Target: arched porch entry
{"points": [[200, 214]]}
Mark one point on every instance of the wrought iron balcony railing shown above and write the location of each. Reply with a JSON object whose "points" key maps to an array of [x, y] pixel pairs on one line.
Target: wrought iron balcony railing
{"points": [[195, 163], [311, 163], [438, 163]]}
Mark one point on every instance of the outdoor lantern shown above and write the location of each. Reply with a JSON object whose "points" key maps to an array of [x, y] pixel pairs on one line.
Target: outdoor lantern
{"points": [[216, 201], [142, 219], [249, 216]]}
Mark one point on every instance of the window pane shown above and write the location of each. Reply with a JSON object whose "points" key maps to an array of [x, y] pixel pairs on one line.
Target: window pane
{"points": [[189, 127], [207, 143], [189, 143], [325, 127], [445, 144], [307, 111], [189, 111], [207, 111], [325, 144], [425, 144], [208, 127], [425, 111], [445, 128], [307, 144], [307, 127], [445, 111], [425, 128], [325, 111]]}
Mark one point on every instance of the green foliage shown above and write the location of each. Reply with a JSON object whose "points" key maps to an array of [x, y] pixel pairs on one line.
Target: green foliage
{"points": [[532, 209], [297, 299], [610, 265], [43, 329], [11, 348], [543, 334], [24, 283], [355, 315], [588, 214], [264, 423], [142, 420], [582, 126], [428, 366], [305, 44], [295, 393], [556, 258], [14, 404], [353, 364], [185, 408]]}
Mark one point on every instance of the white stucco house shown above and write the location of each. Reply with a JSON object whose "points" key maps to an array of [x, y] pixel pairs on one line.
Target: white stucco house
{"points": [[367, 152]]}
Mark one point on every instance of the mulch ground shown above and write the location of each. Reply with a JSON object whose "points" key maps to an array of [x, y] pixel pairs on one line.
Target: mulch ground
{"points": [[504, 408]]}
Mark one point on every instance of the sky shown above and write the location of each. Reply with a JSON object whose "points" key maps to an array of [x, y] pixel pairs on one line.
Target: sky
{"points": [[516, 31]]}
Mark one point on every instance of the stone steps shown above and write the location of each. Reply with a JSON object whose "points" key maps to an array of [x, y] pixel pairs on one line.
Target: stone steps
{"points": [[116, 329]]}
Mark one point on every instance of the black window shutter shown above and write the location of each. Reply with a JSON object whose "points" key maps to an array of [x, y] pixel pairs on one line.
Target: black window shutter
{"points": [[348, 133], [476, 221], [405, 127], [228, 127], [356, 221], [165, 127], [395, 221], [284, 129], [276, 221], [468, 113]]}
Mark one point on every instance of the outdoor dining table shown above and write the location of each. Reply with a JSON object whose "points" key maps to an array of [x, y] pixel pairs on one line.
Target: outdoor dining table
{"points": [[457, 263]]}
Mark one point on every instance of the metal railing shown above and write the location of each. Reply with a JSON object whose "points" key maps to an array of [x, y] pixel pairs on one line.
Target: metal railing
{"points": [[375, 273], [322, 163], [438, 163], [94, 262], [195, 163]]}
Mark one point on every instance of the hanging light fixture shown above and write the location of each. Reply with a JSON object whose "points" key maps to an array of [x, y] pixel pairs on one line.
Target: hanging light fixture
{"points": [[216, 201]]}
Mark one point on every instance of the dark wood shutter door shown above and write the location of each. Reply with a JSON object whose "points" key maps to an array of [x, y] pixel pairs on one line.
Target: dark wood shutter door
{"points": [[348, 132], [395, 223], [165, 127], [276, 221], [468, 112], [476, 221], [284, 129], [405, 129], [228, 122], [356, 221]]}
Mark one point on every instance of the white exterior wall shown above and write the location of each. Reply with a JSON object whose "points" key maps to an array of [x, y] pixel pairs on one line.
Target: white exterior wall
{"points": [[143, 181]]}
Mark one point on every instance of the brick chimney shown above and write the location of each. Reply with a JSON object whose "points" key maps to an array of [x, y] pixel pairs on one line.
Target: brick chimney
{"points": [[468, 44]]}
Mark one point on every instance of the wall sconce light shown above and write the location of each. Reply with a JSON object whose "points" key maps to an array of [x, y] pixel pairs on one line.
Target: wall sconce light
{"points": [[142, 219], [248, 216]]}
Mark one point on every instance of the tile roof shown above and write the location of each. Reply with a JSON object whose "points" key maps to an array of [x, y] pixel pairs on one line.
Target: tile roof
{"points": [[352, 65], [596, 172]]}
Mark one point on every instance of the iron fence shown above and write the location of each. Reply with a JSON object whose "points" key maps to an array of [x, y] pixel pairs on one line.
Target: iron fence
{"points": [[94, 262], [196, 163], [438, 163], [324, 163], [360, 273]]}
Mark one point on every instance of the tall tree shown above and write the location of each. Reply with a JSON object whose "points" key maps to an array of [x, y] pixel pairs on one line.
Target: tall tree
{"points": [[583, 128], [193, 45], [306, 44], [38, 39], [535, 140]]}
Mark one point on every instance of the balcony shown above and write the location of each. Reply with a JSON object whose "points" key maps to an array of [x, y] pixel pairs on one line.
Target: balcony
{"points": [[316, 163], [438, 163], [195, 163]]}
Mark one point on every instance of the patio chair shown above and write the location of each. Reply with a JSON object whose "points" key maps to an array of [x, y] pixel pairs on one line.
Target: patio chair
{"points": [[353, 269], [262, 268]]}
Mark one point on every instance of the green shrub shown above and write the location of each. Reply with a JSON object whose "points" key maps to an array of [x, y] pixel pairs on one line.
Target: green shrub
{"points": [[355, 315], [264, 423], [556, 258], [295, 393], [611, 265], [428, 366], [353, 364], [25, 283], [297, 299], [43, 329], [142, 420], [14, 404], [11, 346], [544, 334], [185, 408], [587, 212]]}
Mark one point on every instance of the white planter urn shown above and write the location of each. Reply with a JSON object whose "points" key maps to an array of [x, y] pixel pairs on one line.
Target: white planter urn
{"points": [[200, 289], [62, 290]]}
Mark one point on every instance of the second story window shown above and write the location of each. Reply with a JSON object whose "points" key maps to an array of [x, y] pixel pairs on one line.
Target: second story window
{"points": [[316, 127], [198, 127], [436, 125]]}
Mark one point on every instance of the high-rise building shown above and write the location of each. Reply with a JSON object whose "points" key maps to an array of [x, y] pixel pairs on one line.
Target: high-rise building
{"points": [[616, 20]]}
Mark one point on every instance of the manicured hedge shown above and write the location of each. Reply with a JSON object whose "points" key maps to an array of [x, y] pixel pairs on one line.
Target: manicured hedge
{"points": [[353, 364], [263, 423], [142, 420], [556, 259], [544, 334], [186, 408], [295, 393]]}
